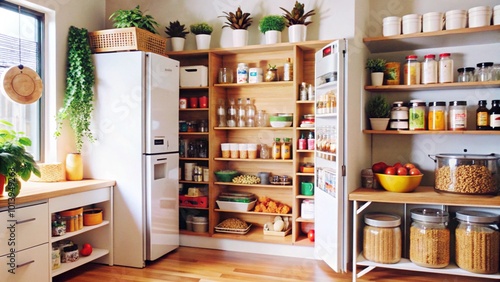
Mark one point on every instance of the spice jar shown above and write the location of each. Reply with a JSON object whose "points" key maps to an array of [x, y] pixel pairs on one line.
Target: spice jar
{"points": [[483, 72], [477, 242], [465, 75], [417, 115], [382, 238], [411, 70], [458, 115], [429, 238], [276, 149], [437, 115]]}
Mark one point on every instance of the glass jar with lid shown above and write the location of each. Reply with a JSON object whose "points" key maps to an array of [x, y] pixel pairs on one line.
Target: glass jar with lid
{"points": [[412, 70], [457, 114], [429, 238], [416, 111], [483, 72], [477, 241], [437, 115], [465, 74], [399, 116], [382, 238]]}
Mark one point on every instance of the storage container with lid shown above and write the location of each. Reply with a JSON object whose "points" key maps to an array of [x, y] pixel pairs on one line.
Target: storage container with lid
{"points": [[382, 238], [477, 240], [416, 114], [483, 71], [467, 173], [457, 114], [429, 69], [437, 115], [429, 238], [399, 116], [480, 16], [391, 26], [445, 68], [411, 70], [466, 74]]}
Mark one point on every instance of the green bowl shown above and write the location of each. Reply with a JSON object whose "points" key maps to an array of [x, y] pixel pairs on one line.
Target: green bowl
{"points": [[280, 118], [226, 175]]}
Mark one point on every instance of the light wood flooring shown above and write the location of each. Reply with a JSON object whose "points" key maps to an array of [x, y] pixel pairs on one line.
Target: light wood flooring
{"points": [[194, 264]]}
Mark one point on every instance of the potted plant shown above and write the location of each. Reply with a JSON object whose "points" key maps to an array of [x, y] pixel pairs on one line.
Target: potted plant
{"points": [[271, 74], [238, 22], [15, 161], [296, 21], [134, 18], [377, 68], [272, 26], [378, 111], [177, 33], [78, 100], [203, 32]]}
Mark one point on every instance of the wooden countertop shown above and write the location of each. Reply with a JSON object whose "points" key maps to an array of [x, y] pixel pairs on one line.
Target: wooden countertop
{"points": [[36, 191]]}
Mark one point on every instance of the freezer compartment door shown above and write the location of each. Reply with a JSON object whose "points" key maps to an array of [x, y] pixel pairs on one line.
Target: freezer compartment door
{"points": [[162, 204], [162, 104]]}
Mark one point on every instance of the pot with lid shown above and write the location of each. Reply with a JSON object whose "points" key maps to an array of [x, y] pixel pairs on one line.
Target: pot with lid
{"points": [[467, 173]]}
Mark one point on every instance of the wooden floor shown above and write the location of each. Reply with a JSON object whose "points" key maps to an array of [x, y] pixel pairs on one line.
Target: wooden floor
{"points": [[194, 264]]}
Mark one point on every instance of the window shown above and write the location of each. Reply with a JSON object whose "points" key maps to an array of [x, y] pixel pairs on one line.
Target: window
{"points": [[20, 43]]}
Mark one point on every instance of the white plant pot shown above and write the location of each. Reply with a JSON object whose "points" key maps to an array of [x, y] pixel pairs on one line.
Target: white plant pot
{"points": [[203, 41], [240, 37], [297, 33], [377, 78], [177, 43], [273, 36], [379, 123]]}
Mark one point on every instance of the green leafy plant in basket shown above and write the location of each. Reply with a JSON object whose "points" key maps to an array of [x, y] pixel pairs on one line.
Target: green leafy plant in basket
{"points": [[134, 18]]}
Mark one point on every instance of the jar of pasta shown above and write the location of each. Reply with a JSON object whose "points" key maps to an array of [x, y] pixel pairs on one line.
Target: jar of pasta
{"points": [[382, 238], [429, 238], [477, 241]]}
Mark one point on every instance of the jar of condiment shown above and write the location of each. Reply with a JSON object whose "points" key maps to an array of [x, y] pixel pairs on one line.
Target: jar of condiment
{"points": [[276, 149], [399, 116], [495, 69], [411, 70], [242, 73], [382, 238], [482, 116], [477, 242], [56, 257], [429, 238], [445, 68], [183, 103], [458, 115], [192, 126], [429, 69], [417, 115], [70, 254], [465, 74], [495, 115], [437, 115], [483, 72], [303, 91], [286, 149]]}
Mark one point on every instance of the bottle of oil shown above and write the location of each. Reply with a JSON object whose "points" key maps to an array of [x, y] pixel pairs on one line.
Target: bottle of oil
{"points": [[495, 115], [482, 116], [286, 149]]}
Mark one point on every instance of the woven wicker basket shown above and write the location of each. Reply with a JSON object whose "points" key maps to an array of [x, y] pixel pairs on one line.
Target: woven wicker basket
{"points": [[50, 173], [127, 39]]}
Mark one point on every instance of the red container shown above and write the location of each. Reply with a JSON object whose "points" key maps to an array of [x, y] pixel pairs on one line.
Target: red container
{"points": [[193, 102], [196, 202], [203, 102]]}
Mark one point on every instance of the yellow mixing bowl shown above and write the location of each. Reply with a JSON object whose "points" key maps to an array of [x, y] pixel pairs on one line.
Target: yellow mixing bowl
{"points": [[399, 183]]}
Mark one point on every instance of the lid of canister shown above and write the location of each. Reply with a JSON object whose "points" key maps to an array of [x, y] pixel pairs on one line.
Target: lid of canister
{"points": [[484, 64], [458, 103], [469, 69], [444, 55], [429, 215], [382, 220], [416, 103], [398, 104], [477, 216], [412, 57], [438, 103], [491, 156], [430, 56]]}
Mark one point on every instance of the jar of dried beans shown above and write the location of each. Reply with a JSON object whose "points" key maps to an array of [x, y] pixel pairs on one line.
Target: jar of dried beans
{"points": [[429, 238], [382, 238], [477, 242]]}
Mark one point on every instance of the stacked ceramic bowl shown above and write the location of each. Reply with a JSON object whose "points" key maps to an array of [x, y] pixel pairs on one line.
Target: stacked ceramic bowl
{"points": [[281, 120]]}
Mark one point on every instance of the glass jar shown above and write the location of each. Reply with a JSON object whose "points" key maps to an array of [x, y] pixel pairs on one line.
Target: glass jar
{"points": [[429, 69], [303, 91], [482, 116], [417, 115], [276, 149], [437, 115], [261, 119], [465, 75], [477, 242], [483, 72], [445, 68], [457, 114], [429, 238], [240, 113], [221, 113], [495, 71], [495, 115], [286, 149], [411, 70], [231, 114], [382, 238], [250, 112], [242, 73], [399, 116]]}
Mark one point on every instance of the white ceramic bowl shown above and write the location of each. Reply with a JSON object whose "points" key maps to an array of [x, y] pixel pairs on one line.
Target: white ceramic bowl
{"points": [[280, 123]]}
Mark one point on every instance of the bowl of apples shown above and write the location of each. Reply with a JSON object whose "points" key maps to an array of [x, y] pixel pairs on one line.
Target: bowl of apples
{"points": [[397, 178]]}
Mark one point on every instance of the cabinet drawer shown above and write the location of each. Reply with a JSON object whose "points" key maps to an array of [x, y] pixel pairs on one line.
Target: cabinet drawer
{"points": [[31, 229], [33, 265]]}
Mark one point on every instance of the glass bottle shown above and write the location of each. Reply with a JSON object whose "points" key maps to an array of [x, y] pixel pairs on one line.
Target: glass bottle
{"points": [[286, 149], [276, 149], [231, 113], [303, 91], [221, 113], [240, 113], [482, 116], [310, 141], [250, 113], [302, 144], [261, 119], [264, 151], [445, 68], [495, 115], [288, 70]]}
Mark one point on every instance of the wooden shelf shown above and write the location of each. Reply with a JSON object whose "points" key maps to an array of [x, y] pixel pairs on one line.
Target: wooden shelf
{"points": [[192, 233], [258, 84], [254, 160], [193, 208], [256, 234], [305, 101], [193, 182], [424, 40], [421, 132], [254, 185], [424, 195], [193, 159], [303, 241], [304, 197], [193, 110], [197, 133], [254, 213], [304, 173], [194, 88], [300, 219], [434, 86], [253, 128]]}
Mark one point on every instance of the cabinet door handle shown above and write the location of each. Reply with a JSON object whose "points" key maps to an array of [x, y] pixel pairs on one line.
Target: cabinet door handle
{"points": [[25, 263], [25, 220]]}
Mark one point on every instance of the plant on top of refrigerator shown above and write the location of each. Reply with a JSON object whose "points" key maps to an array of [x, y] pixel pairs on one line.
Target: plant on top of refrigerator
{"points": [[297, 15], [134, 18], [176, 29], [272, 22], [237, 20], [201, 28]]}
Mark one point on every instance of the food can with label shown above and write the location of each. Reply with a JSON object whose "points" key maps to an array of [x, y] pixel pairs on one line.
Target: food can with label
{"points": [[242, 73]]}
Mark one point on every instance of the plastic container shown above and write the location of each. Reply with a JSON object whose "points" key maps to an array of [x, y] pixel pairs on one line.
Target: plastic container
{"points": [[382, 238], [429, 238], [445, 68], [391, 26], [457, 114], [477, 241], [467, 173], [437, 116], [412, 70], [242, 73], [56, 257], [73, 218], [433, 21], [399, 116], [455, 19], [200, 224], [480, 16], [429, 69], [307, 209], [412, 23], [255, 75], [416, 112]]}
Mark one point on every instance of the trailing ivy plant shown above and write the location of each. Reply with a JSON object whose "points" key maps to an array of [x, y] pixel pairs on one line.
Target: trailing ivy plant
{"points": [[78, 100]]}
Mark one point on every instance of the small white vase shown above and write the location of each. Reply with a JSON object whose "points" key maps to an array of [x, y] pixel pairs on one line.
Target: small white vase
{"points": [[203, 41], [297, 33], [377, 78], [177, 43], [379, 123], [273, 36], [240, 37]]}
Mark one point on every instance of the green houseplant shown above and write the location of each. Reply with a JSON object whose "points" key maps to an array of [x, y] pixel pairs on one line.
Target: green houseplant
{"points": [[202, 32], [15, 161], [376, 67], [378, 111], [238, 22], [296, 21], [78, 100], [134, 18], [272, 26], [177, 33]]}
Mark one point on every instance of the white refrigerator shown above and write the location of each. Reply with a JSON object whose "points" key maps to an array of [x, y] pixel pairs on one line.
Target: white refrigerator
{"points": [[331, 221], [135, 122]]}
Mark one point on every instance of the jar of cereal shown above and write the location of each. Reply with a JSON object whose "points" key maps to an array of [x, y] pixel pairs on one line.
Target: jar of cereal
{"points": [[382, 238]]}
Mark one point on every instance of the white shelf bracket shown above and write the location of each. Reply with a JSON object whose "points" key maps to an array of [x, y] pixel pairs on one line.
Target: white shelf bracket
{"points": [[363, 207], [365, 271]]}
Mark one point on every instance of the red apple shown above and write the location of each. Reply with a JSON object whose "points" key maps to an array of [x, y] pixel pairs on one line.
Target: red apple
{"points": [[415, 171], [409, 166], [86, 250], [402, 171], [390, 170], [397, 165], [379, 167]]}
